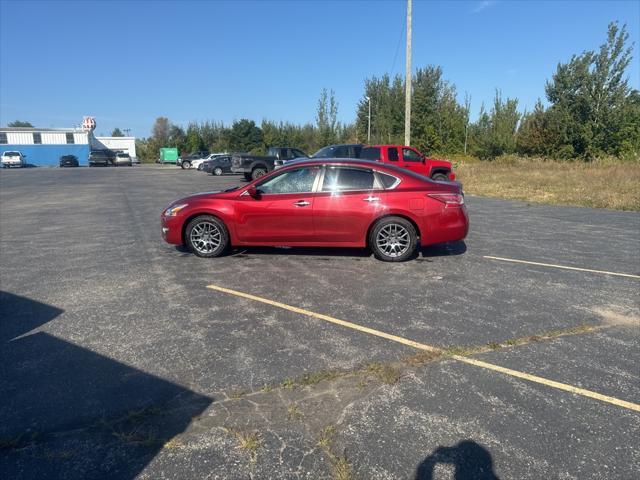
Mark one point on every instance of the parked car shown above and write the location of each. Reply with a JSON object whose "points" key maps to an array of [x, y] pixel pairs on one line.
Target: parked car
{"points": [[122, 158], [69, 161], [186, 161], [101, 157], [253, 167], [12, 159], [339, 151], [217, 165], [197, 164], [411, 159], [323, 202]]}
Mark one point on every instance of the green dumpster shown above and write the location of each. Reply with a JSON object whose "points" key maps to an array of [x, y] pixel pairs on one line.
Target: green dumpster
{"points": [[168, 155]]}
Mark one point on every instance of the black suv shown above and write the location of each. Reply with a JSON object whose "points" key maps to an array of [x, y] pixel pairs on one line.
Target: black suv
{"points": [[339, 151], [69, 161], [101, 157]]}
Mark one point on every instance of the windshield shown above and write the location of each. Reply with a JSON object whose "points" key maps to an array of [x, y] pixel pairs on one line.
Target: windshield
{"points": [[326, 152]]}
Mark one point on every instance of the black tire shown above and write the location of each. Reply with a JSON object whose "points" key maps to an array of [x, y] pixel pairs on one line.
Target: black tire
{"points": [[216, 225], [247, 177], [395, 250], [440, 177], [217, 171], [185, 165], [258, 172]]}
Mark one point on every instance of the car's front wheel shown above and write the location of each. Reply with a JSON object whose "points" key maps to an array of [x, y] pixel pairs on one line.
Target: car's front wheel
{"points": [[217, 171], [207, 236], [185, 165], [393, 239]]}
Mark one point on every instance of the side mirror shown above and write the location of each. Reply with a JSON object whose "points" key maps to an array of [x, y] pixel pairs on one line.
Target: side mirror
{"points": [[253, 191]]}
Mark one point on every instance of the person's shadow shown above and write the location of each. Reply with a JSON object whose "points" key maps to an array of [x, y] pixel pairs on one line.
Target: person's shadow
{"points": [[471, 461]]}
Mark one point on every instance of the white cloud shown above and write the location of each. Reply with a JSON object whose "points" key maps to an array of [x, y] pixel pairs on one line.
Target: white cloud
{"points": [[483, 5]]}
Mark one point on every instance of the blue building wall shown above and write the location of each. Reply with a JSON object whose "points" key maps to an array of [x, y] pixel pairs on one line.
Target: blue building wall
{"points": [[49, 155]]}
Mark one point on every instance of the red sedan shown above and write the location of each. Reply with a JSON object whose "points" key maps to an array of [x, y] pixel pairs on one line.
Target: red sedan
{"points": [[324, 202]]}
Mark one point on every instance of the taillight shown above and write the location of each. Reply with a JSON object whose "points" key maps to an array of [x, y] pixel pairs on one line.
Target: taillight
{"points": [[449, 199], [452, 176]]}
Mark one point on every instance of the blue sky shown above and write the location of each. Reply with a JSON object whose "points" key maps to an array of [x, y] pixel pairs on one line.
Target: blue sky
{"points": [[127, 63]]}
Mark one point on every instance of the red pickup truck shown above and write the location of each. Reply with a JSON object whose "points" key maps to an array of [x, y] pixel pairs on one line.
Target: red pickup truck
{"points": [[411, 159]]}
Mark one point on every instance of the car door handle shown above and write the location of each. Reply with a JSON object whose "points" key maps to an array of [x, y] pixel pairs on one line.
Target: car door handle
{"points": [[302, 203], [371, 199]]}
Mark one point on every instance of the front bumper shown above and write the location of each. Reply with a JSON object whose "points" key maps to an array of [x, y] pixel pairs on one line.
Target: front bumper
{"points": [[171, 228]]}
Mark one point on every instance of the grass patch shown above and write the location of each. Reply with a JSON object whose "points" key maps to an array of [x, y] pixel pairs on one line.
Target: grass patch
{"points": [[293, 412], [598, 184], [250, 442], [384, 372], [340, 467], [11, 443]]}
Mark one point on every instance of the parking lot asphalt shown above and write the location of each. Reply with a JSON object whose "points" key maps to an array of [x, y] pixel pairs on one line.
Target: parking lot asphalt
{"points": [[119, 362]]}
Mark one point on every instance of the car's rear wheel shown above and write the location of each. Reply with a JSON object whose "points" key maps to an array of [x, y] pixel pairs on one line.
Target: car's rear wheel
{"points": [[206, 236], [258, 172], [393, 239], [440, 177], [217, 171], [185, 165]]}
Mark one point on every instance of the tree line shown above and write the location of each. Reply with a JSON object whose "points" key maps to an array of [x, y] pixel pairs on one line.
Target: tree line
{"points": [[591, 111]]}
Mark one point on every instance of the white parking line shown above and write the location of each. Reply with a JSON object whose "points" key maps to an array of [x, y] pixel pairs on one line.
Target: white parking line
{"points": [[563, 267]]}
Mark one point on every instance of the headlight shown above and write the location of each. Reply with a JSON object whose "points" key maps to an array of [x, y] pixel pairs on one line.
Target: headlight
{"points": [[173, 211]]}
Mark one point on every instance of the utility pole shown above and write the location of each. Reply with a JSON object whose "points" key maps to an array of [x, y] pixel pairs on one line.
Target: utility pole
{"points": [[407, 82], [369, 127]]}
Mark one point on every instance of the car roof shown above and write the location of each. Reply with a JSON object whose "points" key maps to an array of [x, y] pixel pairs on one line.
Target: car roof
{"points": [[356, 162]]}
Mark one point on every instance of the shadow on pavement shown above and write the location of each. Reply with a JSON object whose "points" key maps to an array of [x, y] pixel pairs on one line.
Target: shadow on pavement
{"points": [[440, 250], [471, 462], [67, 412]]}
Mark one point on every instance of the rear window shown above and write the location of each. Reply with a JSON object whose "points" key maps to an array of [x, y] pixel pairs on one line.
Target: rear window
{"points": [[370, 153], [125, 155], [11, 154], [388, 181], [337, 179]]}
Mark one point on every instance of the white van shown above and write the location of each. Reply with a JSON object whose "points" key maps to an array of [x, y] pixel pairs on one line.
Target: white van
{"points": [[12, 159]]}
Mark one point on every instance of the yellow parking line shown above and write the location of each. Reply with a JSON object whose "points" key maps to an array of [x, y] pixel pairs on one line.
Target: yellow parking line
{"points": [[550, 383], [563, 267], [422, 346], [354, 326]]}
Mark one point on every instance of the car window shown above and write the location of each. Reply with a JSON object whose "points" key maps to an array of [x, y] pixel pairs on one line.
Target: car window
{"points": [[410, 155], [355, 151], [298, 153], [388, 181], [299, 180], [341, 152], [338, 179], [326, 152], [392, 154], [370, 153]]}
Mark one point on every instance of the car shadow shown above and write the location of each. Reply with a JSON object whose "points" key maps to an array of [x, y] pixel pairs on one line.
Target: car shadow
{"points": [[423, 253], [68, 412], [470, 460]]}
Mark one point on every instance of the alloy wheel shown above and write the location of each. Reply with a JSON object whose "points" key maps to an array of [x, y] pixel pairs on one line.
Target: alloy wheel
{"points": [[206, 237], [393, 240]]}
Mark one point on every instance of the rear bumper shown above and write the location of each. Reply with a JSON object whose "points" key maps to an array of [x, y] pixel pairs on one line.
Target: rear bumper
{"points": [[452, 225]]}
